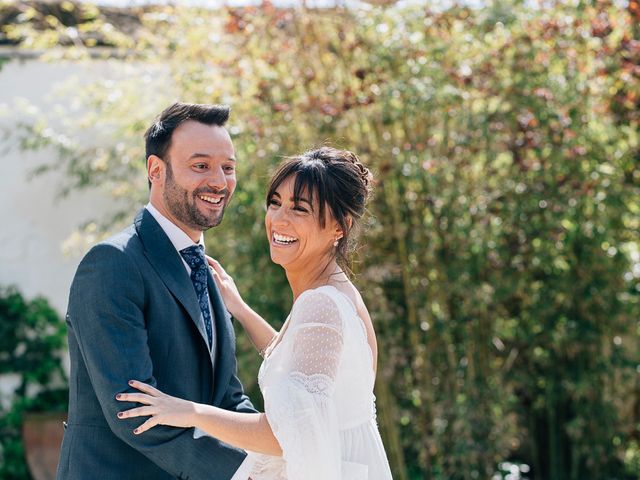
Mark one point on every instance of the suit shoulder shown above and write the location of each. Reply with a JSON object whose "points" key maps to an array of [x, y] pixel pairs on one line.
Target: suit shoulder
{"points": [[125, 241], [121, 248]]}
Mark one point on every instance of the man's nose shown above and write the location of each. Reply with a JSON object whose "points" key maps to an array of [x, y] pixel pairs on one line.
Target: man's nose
{"points": [[217, 178]]}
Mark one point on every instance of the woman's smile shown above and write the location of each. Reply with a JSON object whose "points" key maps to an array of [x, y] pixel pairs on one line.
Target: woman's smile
{"points": [[296, 238], [282, 240]]}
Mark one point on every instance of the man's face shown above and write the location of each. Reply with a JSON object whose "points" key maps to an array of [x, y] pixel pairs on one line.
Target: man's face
{"points": [[200, 175]]}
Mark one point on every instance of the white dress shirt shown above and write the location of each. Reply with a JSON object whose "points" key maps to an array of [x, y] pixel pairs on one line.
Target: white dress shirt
{"points": [[180, 240]]}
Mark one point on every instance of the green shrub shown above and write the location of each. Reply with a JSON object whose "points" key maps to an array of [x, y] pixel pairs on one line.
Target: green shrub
{"points": [[32, 337]]}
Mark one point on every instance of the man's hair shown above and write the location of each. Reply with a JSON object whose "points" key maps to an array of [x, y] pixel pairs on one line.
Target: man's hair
{"points": [[158, 136]]}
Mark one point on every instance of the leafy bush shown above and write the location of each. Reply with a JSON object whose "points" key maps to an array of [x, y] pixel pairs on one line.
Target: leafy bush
{"points": [[32, 337]]}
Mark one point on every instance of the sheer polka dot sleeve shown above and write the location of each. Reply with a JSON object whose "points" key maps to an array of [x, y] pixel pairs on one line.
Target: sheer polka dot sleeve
{"points": [[300, 408], [317, 342]]}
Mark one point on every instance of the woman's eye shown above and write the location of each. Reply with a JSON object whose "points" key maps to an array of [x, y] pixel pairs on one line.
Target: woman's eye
{"points": [[301, 209], [229, 169], [272, 202], [200, 166]]}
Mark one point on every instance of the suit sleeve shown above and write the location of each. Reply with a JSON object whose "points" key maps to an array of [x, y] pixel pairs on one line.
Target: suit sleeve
{"points": [[106, 312], [235, 399]]}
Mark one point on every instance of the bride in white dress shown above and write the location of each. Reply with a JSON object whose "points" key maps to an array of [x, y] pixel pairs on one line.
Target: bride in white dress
{"points": [[319, 370]]}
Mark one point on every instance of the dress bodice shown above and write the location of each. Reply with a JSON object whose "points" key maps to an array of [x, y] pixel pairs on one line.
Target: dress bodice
{"points": [[317, 380], [354, 376]]}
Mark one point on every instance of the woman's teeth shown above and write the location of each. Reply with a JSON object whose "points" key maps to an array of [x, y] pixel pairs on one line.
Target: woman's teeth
{"points": [[283, 239]]}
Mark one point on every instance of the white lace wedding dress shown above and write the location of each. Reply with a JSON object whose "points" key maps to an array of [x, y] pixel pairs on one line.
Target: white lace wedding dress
{"points": [[317, 382]]}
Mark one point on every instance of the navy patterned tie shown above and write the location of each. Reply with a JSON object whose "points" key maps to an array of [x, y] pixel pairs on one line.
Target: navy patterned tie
{"points": [[194, 256]]}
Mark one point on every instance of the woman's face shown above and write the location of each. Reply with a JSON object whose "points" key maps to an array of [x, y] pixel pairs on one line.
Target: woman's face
{"points": [[293, 228]]}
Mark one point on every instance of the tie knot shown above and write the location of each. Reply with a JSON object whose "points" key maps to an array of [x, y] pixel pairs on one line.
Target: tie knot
{"points": [[194, 256]]}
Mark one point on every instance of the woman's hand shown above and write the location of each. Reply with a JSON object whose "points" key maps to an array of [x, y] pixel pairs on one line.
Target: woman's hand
{"points": [[260, 332], [228, 289], [163, 409]]}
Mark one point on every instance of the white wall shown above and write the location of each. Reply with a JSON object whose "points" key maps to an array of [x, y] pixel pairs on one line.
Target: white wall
{"points": [[35, 222]]}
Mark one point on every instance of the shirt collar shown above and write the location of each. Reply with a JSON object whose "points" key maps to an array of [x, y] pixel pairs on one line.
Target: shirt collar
{"points": [[177, 236]]}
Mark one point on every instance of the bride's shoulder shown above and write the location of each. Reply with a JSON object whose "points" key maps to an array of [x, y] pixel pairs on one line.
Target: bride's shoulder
{"points": [[318, 305], [319, 296], [346, 294], [330, 294]]}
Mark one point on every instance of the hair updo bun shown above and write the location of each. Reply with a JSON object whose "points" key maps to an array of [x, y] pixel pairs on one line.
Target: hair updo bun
{"points": [[337, 179], [363, 172]]}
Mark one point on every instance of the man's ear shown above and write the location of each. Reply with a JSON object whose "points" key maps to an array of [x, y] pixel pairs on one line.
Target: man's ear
{"points": [[155, 169]]}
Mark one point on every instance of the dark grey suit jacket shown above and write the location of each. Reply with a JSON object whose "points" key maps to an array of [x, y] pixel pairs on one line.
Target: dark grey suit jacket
{"points": [[133, 314]]}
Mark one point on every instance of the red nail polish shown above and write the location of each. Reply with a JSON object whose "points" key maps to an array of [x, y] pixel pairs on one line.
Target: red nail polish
{"points": [[120, 414], [130, 382], [118, 397], [137, 430]]}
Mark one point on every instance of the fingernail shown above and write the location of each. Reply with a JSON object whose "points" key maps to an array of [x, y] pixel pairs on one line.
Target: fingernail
{"points": [[120, 414], [136, 431], [130, 382], [118, 396]]}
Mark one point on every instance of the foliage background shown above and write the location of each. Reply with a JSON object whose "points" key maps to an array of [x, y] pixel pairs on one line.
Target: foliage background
{"points": [[501, 256], [31, 339]]}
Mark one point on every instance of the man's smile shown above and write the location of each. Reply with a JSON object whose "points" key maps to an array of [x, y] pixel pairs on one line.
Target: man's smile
{"points": [[213, 199]]}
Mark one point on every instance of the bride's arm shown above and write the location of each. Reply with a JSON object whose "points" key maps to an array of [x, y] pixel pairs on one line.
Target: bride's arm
{"points": [[259, 331], [249, 431]]}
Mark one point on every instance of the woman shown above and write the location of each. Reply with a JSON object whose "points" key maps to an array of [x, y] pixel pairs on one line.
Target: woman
{"points": [[318, 372]]}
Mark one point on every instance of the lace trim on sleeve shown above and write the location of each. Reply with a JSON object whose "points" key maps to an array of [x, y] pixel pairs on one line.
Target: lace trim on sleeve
{"points": [[316, 384]]}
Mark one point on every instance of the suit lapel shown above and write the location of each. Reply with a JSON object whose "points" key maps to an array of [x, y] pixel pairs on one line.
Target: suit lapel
{"points": [[167, 263], [225, 341]]}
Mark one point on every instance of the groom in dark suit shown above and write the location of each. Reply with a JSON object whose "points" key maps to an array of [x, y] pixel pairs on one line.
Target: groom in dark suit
{"points": [[143, 306]]}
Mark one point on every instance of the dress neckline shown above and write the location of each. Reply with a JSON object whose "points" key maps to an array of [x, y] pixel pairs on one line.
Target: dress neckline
{"points": [[277, 339]]}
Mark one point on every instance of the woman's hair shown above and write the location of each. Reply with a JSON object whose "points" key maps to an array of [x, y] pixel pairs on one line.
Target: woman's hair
{"points": [[337, 179]]}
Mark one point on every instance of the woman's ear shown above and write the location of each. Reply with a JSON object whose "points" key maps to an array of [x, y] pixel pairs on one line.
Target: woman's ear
{"points": [[339, 231]]}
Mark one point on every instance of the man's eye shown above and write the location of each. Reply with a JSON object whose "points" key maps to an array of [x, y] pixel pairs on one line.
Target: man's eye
{"points": [[200, 166], [229, 169]]}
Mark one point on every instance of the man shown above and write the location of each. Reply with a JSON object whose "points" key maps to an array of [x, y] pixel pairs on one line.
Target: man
{"points": [[143, 306]]}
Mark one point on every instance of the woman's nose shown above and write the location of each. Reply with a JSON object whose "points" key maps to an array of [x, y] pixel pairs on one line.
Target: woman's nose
{"points": [[279, 217]]}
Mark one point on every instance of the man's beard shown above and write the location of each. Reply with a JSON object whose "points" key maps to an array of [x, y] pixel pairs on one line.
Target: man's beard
{"points": [[182, 204]]}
